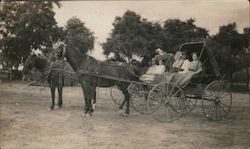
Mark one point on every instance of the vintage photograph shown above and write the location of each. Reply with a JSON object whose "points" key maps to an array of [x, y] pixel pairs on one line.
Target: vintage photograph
{"points": [[124, 74]]}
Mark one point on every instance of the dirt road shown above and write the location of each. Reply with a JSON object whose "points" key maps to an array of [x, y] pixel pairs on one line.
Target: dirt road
{"points": [[26, 123]]}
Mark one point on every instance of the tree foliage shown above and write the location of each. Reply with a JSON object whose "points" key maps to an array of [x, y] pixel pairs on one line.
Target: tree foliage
{"points": [[229, 37], [233, 55], [78, 36], [176, 32], [133, 35], [26, 25]]}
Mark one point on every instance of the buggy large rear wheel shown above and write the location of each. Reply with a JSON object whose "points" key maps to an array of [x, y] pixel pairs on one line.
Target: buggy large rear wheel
{"points": [[172, 101], [217, 100], [139, 99]]}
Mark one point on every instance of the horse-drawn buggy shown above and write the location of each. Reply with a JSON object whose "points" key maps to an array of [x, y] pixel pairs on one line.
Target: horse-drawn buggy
{"points": [[167, 100], [162, 97]]}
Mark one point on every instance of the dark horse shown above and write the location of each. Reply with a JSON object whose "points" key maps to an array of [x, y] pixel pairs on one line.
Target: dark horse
{"points": [[54, 79], [90, 72]]}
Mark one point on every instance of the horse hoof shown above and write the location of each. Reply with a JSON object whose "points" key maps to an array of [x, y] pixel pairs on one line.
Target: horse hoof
{"points": [[88, 115], [57, 107], [120, 111], [125, 114]]}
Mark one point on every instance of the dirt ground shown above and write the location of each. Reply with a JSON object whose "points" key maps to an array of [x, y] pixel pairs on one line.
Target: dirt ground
{"points": [[26, 123]]}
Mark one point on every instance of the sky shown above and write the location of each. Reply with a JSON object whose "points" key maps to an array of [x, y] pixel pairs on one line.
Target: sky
{"points": [[99, 15]]}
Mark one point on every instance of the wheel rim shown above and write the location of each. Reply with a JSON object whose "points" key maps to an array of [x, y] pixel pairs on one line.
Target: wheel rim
{"points": [[139, 99], [116, 95], [190, 104], [172, 99], [217, 100]]}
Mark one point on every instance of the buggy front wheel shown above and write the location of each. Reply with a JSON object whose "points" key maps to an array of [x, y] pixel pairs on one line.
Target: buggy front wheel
{"points": [[139, 99], [116, 95], [216, 100], [172, 101]]}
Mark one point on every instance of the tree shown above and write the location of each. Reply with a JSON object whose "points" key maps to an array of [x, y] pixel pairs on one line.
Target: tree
{"points": [[78, 36], [245, 56], [229, 37], [176, 32], [133, 35], [232, 56], [26, 25]]}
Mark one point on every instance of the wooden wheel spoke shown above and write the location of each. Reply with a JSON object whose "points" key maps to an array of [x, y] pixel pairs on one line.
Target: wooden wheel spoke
{"points": [[216, 113], [210, 93], [217, 92], [223, 91], [209, 108], [209, 98], [222, 108], [189, 101], [219, 88], [176, 93], [214, 108], [224, 105], [172, 98], [218, 107], [171, 91], [167, 88], [173, 109], [222, 97]]}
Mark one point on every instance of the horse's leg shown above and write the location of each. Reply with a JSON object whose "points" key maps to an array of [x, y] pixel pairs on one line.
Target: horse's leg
{"points": [[85, 97], [60, 92], [52, 92], [127, 100], [94, 98], [122, 104], [90, 96]]}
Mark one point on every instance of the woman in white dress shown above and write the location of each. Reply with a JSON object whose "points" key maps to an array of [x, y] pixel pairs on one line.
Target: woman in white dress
{"points": [[180, 66], [152, 71], [194, 67]]}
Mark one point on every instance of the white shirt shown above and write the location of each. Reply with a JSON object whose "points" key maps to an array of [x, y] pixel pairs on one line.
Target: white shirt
{"points": [[185, 66], [178, 63], [156, 69], [152, 71]]}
